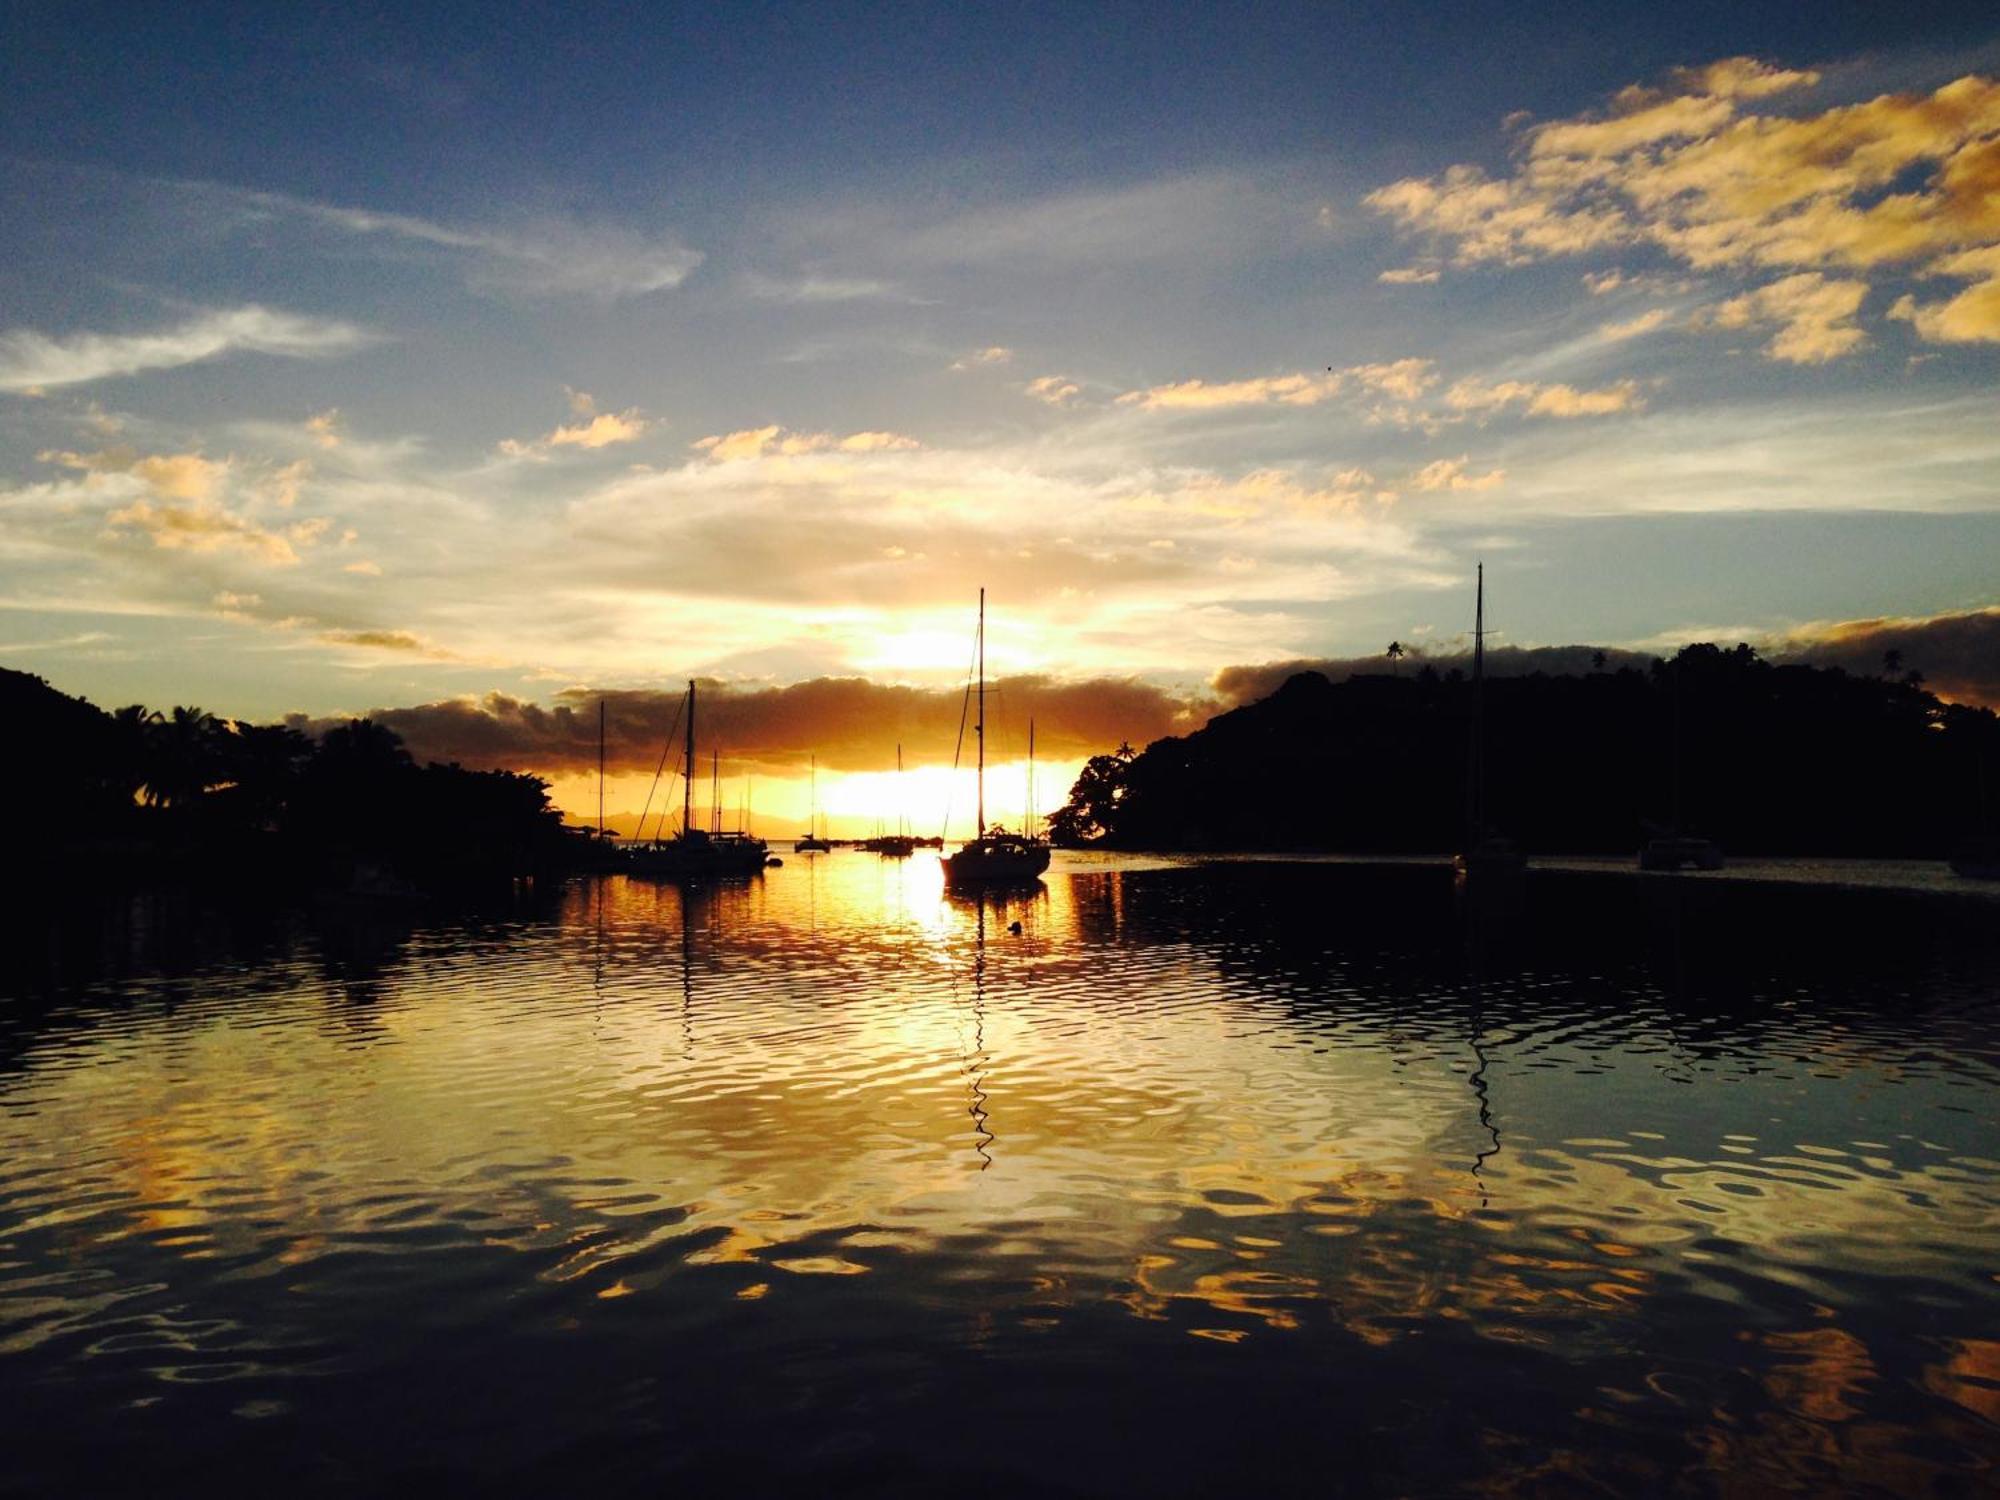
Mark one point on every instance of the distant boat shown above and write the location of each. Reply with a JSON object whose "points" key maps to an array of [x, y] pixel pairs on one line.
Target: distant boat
{"points": [[897, 845], [994, 856], [694, 853], [1488, 857], [814, 842]]}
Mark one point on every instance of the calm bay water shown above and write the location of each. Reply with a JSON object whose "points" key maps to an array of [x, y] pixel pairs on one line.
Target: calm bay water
{"points": [[1227, 1179]]}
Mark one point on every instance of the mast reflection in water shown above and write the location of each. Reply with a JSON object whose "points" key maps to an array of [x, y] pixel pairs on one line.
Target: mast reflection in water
{"points": [[1242, 1178]]}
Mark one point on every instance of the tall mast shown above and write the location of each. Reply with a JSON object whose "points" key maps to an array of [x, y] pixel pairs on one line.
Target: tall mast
{"points": [[1476, 790], [899, 791], [812, 811], [687, 778], [1029, 821], [982, 713], [600, 771], [715, 790]]}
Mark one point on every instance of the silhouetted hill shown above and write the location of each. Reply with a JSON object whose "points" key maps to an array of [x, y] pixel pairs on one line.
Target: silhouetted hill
{"points": [[1772, 759], [138, 793]]}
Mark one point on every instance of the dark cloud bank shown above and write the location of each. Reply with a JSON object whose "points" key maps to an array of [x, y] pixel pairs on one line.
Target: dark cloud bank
{"points": [[852, 724]]}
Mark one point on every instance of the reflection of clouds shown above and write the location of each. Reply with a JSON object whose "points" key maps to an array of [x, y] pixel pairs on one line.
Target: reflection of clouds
{"points": [[1212, 1121]]}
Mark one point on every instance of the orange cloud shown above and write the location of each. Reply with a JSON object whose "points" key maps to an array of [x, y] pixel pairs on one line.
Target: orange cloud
{"points": [[1690, 169], [1815, 317], [1449, 474]]}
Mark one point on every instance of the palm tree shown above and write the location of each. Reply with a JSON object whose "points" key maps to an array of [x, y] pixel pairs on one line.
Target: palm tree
{"points": [[183, 755], [1396, 653]]}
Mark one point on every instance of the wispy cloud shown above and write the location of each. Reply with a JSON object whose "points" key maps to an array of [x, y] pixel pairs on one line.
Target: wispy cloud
{"points": [[808, 289], [550, 257], [31, 361]]}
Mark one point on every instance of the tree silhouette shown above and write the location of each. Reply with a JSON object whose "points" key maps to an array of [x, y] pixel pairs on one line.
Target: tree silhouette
{"points": [[1892, 662], [1396, 653]]}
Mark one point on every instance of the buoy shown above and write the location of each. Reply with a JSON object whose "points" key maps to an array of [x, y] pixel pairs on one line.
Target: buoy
{"points": [[1015, 928], [773, 863]]}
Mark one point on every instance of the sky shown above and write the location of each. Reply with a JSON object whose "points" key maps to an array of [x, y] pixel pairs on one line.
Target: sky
{"points": [[474, 366]]}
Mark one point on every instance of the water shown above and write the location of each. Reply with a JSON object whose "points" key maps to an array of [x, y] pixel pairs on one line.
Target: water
{"points": [[1211, 1180]]}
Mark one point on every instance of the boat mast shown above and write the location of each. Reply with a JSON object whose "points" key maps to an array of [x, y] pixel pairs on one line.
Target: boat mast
{"points": [[600, 772], [715, 790], [687, 778], [899, 792], [1029, 822], [982, 713], [812, 811], [1475, 793]]}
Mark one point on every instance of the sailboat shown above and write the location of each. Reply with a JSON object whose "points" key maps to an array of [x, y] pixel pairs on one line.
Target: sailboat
{"points": [[995, 855], [813, 843], [897, 845], [694, 853], [1487, 856]]}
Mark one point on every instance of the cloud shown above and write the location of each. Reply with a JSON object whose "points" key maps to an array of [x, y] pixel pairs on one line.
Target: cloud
{"points": [[993, 354], [1475, 395], [594, 429], [181, 502], [1402, 379], [547, 259], [1694, 170], [1958, 653], [379, 640], [1410, 276], [31, 361], [1449, 474], [207, 526], [1971, 317], [1056, 390], [1632, 328], [847, 723], [324, 427], [816, 289], [173, 476], [1815, 317], [601, 431], [775, 441]]}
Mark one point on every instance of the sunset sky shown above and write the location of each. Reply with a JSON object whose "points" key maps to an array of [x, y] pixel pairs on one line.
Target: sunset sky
{"points": [[472, 365]]}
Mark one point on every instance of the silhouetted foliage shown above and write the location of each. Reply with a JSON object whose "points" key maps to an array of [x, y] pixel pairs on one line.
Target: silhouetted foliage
{"points": [[132, 789], [1772, 759]]}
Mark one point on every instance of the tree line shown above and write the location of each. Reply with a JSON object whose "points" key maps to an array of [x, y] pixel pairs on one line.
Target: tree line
{"points": [[1764, 758], [135, 790]]}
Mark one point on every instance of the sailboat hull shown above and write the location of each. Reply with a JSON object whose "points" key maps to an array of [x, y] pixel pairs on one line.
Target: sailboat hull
{"points": [[995, 862], [698, 859]]}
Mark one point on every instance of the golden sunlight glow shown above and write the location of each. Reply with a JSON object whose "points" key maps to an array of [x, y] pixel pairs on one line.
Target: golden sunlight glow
{"points": [[855, 804]]}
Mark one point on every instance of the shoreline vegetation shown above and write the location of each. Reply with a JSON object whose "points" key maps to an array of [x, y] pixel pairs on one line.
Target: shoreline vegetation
{"points": [[1765, 759], [1769, 760], [137, 796]]}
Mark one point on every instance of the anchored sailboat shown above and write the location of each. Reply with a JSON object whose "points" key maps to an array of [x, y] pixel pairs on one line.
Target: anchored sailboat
{"points": [[995, 855], [814, 842], [897, 845], [1487, 856], [694, 853]]}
